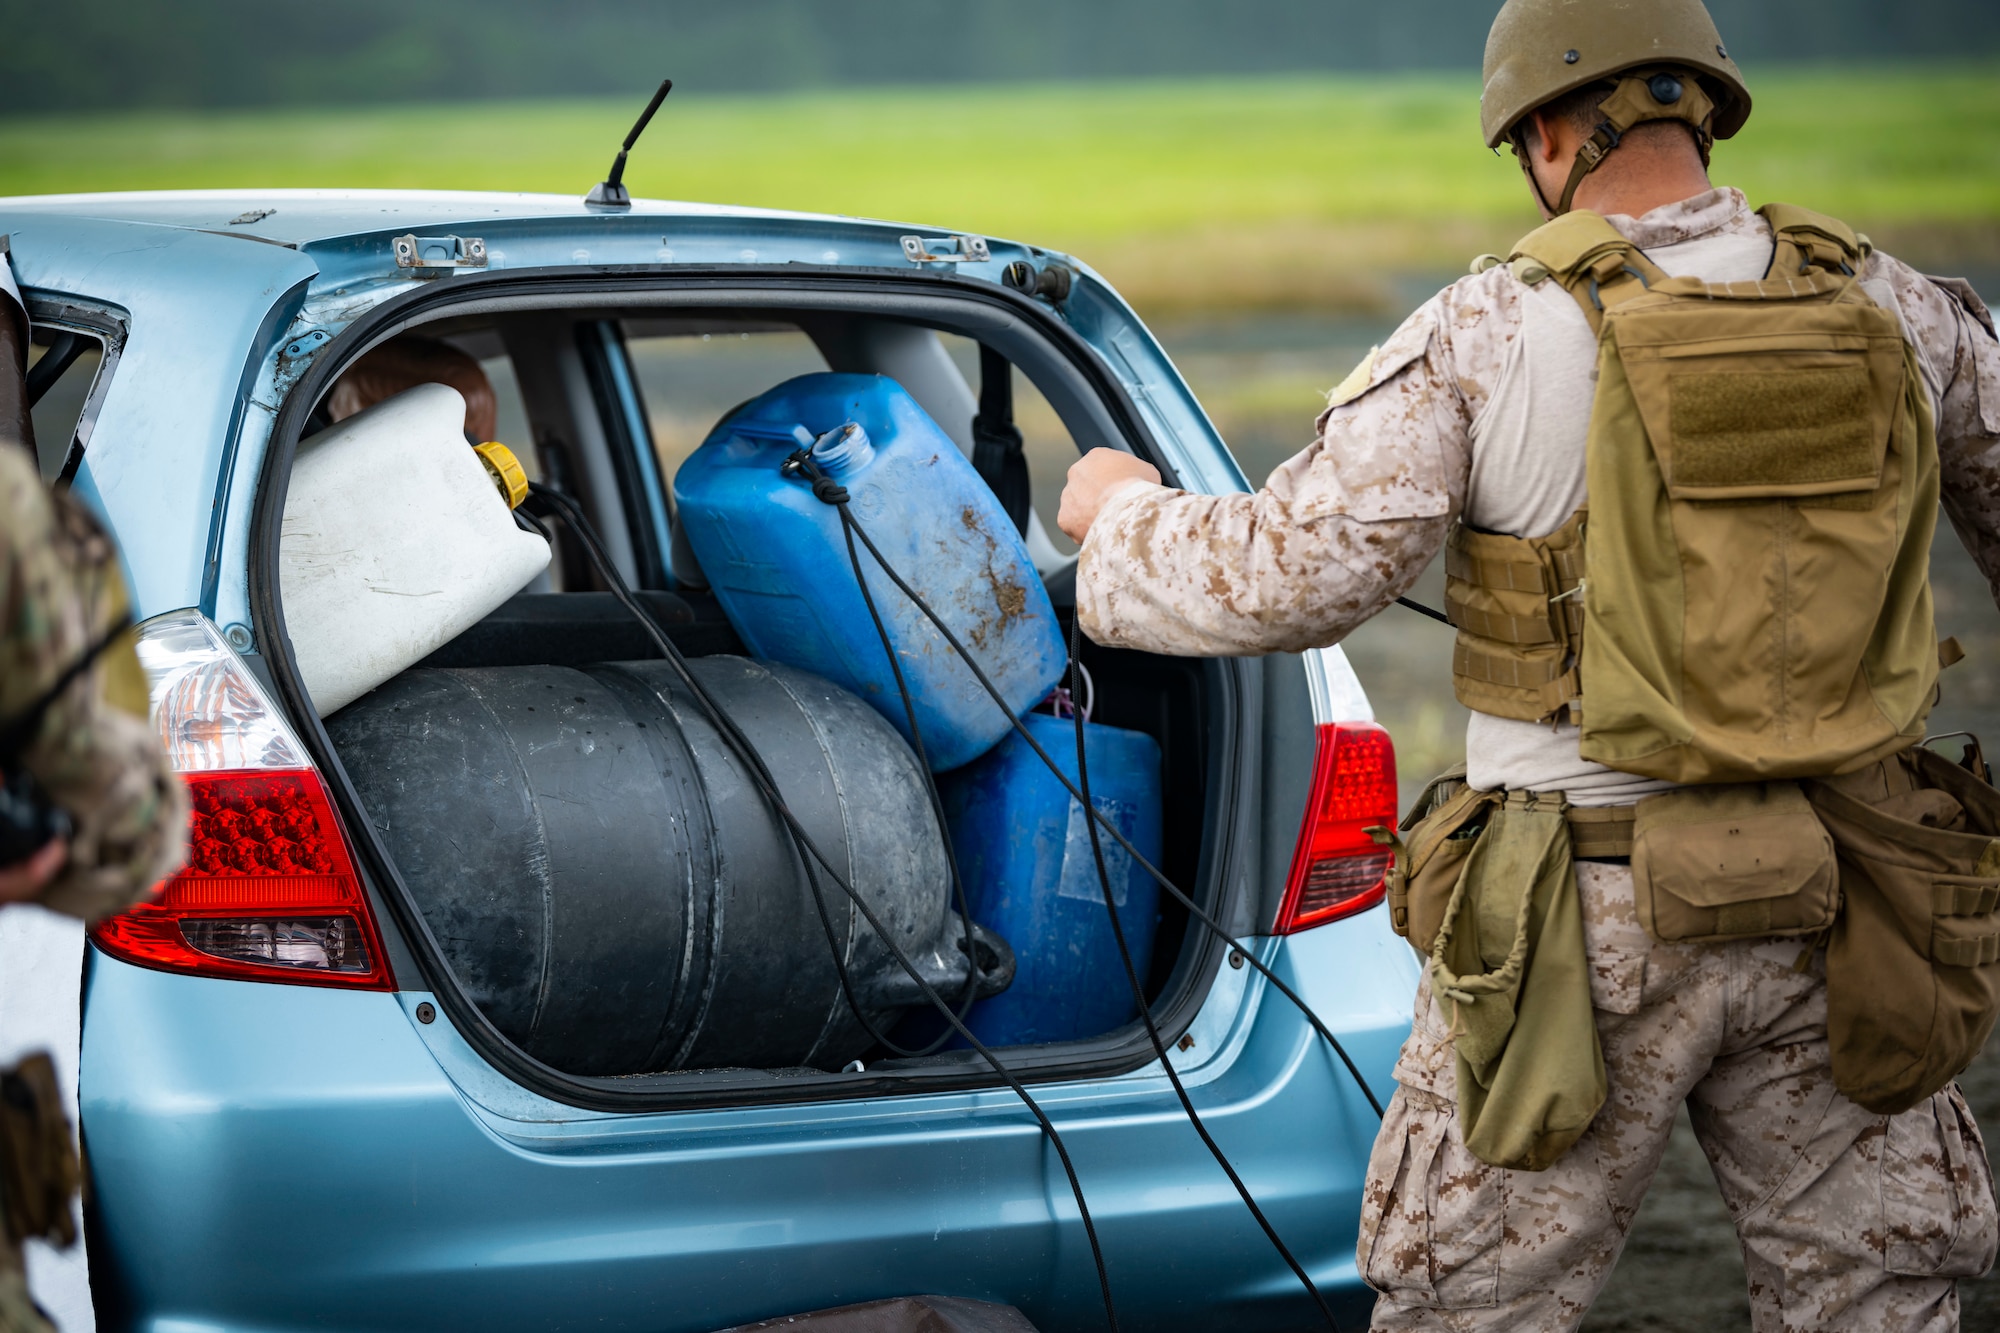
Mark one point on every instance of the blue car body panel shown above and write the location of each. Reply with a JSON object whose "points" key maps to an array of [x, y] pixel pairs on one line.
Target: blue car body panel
{"points": [[286, 1157], [310, 1161], [200, 307]]}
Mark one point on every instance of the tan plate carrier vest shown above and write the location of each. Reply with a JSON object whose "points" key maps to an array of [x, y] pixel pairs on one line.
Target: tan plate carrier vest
{"points": [[1754, 563]]}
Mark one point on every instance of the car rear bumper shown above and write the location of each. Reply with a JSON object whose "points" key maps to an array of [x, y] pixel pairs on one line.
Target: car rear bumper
{"points": [[274, 1157]]}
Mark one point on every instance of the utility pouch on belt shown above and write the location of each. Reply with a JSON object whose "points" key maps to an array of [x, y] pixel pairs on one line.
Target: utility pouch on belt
{"points": [[39, 1173], [1438, 835], [1913, 963], [1510, 970], [1732, 862]]}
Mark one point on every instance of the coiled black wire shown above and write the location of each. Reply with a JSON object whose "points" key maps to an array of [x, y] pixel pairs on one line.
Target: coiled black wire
{"points": [[802, 465], [1097, 818], [830, 492], [809, 852]]}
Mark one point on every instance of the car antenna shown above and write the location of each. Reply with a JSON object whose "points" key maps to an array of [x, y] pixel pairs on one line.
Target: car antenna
{"points": [[610, 192]]}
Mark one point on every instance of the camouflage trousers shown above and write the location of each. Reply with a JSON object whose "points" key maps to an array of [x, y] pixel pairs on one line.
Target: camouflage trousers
{"points": [[1847, 1219]]}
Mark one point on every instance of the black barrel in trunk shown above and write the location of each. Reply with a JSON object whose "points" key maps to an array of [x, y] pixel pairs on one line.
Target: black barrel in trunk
{"points": [[613, 891]]}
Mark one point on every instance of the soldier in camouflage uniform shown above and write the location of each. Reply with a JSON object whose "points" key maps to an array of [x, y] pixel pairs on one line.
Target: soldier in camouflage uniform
{"points": [[95, 754], [1476, 411]]}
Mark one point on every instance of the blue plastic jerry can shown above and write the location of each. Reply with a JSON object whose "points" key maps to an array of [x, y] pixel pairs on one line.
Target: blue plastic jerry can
{"points": [[777, 558], [1023, 849]]}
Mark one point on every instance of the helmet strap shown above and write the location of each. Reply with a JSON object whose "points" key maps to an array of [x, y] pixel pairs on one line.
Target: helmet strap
{"points": [[1519, 142], [1639, 97]]}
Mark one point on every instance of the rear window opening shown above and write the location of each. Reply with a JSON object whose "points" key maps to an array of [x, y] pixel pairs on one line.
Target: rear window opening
{"points": [[73, 347], [599, 876]]}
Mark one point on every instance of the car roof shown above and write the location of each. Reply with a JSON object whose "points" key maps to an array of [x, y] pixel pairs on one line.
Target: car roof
{"points": [[302, 217]]}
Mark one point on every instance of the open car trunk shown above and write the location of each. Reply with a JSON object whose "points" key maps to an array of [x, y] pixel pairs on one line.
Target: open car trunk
{"points": [[535, 969]]}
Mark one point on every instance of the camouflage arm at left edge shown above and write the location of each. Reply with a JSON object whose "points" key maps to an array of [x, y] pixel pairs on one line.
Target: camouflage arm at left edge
{"points": [[96, 754]]}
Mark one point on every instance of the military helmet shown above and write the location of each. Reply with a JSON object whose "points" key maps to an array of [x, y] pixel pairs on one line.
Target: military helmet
{"points": [[1540, 49]]}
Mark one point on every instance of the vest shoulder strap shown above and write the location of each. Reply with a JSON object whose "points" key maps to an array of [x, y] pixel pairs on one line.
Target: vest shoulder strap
{"points": [[1568, 242], [1590, 258], [1806, 240]]}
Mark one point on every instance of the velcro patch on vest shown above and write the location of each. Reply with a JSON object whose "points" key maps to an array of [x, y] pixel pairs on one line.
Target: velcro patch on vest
{"points": [[1773, 401], [1773, 429]]}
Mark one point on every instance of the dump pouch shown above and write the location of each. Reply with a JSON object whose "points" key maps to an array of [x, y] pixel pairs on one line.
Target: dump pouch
{"points": [[1913, 963], [1510, 970], [1438, 834], [1732, 862], [39, 1173]]}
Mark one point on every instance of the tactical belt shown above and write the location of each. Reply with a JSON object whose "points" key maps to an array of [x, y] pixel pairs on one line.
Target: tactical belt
{"points": [[1600, 833]]}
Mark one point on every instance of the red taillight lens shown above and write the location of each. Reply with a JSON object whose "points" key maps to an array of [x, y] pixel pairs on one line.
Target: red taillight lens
{"points": [[1338, 867], [269, 892]]}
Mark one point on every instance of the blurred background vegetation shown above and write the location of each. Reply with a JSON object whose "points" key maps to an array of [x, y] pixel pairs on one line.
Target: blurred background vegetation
{"points": [[1273, 183], [1254, 156], [202, 53]]}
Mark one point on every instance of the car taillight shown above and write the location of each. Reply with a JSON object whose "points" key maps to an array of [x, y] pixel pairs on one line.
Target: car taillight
{"points": [[269, 892], [1338, 868]]}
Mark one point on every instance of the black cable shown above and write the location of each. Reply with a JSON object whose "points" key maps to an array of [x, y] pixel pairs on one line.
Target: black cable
{"points": [[1097, 817], [836, 496], [768, 788], [1145, 1010], [832, 493], [63, 350], [930, 781], [1421, 609]]}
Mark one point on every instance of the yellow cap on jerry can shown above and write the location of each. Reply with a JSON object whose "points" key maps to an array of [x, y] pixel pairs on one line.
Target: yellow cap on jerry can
{"points": [[509, 477]]}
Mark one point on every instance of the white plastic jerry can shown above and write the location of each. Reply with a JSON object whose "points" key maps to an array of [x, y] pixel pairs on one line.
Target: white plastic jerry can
{"points": [[395, 541]]}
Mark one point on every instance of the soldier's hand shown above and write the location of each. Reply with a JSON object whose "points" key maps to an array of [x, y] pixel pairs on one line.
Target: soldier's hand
{"points": [[1092, 479], [24, 880]]}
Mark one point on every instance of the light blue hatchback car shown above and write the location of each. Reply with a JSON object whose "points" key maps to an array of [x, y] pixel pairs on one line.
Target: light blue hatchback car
{"points": [[329, 1133]]}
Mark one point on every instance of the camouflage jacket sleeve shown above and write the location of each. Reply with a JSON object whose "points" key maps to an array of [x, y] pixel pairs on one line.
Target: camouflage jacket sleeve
{"points": [[1960, 360], [95, 753], [1337, 533]]}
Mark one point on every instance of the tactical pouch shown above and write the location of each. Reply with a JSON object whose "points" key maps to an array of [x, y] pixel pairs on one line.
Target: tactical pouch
{"points": [[39, 1173], [1510, 969], [1518, 608], [1913, 963], [1438, 834], [1732, 862], [1766, 403]]}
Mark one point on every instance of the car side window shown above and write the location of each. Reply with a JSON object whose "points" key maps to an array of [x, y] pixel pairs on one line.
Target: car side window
{"points": [[510, 417], [690, 379], [1049, 446], [63, 370]]}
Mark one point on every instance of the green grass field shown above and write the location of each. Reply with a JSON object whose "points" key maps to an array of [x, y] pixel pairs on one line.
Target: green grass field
{"points": [[1231, 193]]}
